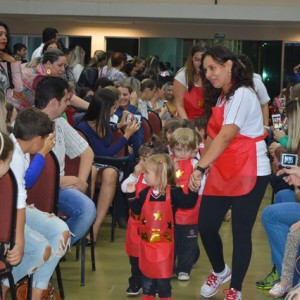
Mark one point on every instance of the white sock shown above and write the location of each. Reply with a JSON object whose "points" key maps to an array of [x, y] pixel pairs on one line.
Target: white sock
{"points": [[223, 273]]}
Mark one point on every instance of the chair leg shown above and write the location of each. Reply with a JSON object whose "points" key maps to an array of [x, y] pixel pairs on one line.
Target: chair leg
{"points": [[82, 272], [92, 249], [59, 282], [29, 290], [77, 250], [113, 220], [12, 287]]}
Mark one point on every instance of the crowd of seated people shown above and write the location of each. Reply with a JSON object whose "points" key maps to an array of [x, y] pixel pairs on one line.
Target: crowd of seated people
{"points": [[113, 93]]}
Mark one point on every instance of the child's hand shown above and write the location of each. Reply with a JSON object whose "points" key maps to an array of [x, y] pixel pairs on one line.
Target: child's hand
{"points": [[137, 170], [14, 256], [130, 188]]}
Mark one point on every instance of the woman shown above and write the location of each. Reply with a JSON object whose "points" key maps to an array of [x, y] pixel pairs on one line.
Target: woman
{"points": [[236, 154], [51, 64], [96, 125], [169, 96], [188, 92], [76, 61], [114, 72], [89, 74], [10, 71]]}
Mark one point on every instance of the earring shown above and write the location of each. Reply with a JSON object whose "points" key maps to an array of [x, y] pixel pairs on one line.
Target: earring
{"points": [[229, 72], [48, 71]]}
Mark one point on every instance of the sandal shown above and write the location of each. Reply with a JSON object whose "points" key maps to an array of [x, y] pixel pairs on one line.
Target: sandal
{"points": [[294, 293], [278, 290]]}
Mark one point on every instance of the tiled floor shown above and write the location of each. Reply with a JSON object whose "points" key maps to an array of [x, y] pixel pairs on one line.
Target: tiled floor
{"points": [[109, 281]]}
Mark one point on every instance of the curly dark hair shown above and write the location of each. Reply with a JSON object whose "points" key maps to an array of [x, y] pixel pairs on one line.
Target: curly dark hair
{"points": [[239, 75]]}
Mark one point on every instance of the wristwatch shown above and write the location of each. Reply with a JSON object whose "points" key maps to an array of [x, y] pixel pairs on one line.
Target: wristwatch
{"points": [[200, 169]]}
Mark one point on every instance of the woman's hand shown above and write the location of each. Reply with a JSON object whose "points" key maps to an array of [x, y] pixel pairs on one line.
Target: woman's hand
{"points": [[278, 134], [123, 122], [6, 57], [131, 129], [292, 177], [273, 147], [134, 98], [195, 180]]}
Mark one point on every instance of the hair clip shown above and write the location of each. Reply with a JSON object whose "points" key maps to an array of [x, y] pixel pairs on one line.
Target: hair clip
{"points": [[161, 161]]}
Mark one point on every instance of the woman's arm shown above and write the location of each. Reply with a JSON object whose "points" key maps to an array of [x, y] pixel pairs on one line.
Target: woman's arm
{"points": [[179, 91], [78, 102]]}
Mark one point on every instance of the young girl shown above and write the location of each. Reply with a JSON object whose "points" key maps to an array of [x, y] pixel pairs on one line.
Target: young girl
{"points": [[132, 239], [156, 205], [183, 143]]}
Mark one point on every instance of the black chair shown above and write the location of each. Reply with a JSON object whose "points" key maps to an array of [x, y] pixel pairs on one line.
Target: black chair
{"points": [[8, 217], [48, 203]]}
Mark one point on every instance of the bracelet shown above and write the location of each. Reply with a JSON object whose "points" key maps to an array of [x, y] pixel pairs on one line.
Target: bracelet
{"points": [[200, 169]]}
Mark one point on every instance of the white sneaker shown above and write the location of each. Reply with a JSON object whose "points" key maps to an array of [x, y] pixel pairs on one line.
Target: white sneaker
{"points": [[232, 294], [183, 276], [211, 285]]}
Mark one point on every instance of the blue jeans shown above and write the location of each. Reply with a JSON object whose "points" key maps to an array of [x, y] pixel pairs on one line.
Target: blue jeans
{"points": [[285, 195], [277, 220], [41, 231], [80, 211]]}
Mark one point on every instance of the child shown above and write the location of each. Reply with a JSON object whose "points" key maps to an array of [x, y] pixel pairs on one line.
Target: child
{"points": [[132, 238], [168, 130], [183, 143], [38, 236], [156, 205]]}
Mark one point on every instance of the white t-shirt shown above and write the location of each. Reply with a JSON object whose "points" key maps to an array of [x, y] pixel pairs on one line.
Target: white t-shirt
{"points": [[76, 70], [260, 89], [38, 51], [19, 165], [180, 77], [67, 142], [243, 109]]}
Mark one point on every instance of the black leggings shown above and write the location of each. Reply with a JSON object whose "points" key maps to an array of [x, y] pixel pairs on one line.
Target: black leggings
{"points": [[244, 212]]}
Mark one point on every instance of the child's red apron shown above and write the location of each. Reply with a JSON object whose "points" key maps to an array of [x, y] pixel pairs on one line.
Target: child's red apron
{"points": [[234, 172], [132, 239], [156, 257], [187, 216]]}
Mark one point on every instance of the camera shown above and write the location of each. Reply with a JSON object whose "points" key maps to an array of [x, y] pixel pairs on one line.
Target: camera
{"points": [[288, 160], [276, 120], [131, 118]]}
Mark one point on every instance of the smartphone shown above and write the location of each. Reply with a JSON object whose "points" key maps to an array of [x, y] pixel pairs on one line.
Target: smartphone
{"points": [[131, 118], [276, 120], [288, 160]]}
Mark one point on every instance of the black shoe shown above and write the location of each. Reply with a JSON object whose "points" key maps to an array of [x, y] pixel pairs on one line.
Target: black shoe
{"points": [[134, 291], [88, 242], [122, 222]]}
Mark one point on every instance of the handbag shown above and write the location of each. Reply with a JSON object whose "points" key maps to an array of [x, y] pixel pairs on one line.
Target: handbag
{"points": [[22, 289]]}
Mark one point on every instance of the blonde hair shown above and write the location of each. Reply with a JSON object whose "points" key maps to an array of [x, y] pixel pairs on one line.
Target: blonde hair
{"points": [[185, 137], [293, 115], [164, 170]]}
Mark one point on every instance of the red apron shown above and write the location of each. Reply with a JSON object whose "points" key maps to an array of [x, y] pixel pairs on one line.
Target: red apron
{"points": [[132, 239], [183, 173], [194, 102], [234, 172], [157, 238]]}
